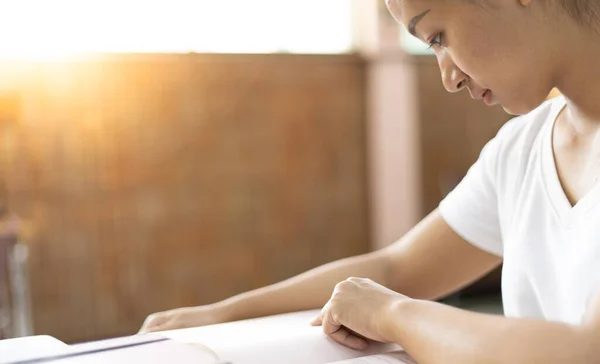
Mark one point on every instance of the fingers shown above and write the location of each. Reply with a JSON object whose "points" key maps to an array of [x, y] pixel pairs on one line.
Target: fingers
{"points": [[146, 329], [150, 329], [316, 321], [157, 328], [154, 323], [333, 328], [345, 338], [330, 323], [343, 335]]}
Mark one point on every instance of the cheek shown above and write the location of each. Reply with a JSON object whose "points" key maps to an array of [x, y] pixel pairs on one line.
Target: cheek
{"points": [[517, 85], [479, 59]]}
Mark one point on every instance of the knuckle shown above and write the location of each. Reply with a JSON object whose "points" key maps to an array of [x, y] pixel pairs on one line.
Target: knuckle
{"points": [[358, 280], [339, 286], [335, 316]]}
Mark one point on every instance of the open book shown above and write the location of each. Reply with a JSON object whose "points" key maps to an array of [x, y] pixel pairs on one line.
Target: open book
{"points": [[282, 339], [273, 340], [147, 349]]}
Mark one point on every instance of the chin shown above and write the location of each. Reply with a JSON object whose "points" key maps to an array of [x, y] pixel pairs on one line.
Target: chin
{"points": [[521, 107], [513, 111]]}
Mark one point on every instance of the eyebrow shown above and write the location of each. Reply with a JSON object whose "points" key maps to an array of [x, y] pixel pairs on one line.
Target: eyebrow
{"points": [[412, 25]]}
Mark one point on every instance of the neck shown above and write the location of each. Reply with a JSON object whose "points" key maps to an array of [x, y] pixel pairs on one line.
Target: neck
{"points": [[579, 79]]}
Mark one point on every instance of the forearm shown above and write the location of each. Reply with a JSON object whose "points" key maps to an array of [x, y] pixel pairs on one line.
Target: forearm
{"points": [[309, 290], [435, 333]]}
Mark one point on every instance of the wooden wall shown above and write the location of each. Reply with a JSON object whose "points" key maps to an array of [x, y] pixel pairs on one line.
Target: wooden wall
{"points": [[422, 140], [453, 129], [154, 182]]}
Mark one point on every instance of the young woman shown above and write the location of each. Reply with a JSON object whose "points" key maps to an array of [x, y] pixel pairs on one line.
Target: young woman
{"points": [[531, 201]]}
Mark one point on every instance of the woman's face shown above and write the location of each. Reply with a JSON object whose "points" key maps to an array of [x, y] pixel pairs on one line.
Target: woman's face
{"points": [[497, 49]]}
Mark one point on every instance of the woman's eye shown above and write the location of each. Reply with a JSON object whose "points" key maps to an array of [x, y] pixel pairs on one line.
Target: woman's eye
{"points": [[436, 40]]}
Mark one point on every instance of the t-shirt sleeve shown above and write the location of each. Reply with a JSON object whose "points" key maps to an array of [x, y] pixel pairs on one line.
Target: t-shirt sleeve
{"points": [[471, 209]]}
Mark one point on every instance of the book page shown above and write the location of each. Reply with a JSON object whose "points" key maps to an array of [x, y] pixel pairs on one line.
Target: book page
{"points": [[134, 349], [273, 340], [160, 352], [30, 348], [397, 357]]}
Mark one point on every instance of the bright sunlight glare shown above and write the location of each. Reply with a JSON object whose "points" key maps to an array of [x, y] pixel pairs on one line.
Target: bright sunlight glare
{"points": [[54, 29]]}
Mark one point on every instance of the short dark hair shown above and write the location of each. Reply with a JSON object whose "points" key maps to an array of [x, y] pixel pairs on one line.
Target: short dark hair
{"points": [[586, 12]]}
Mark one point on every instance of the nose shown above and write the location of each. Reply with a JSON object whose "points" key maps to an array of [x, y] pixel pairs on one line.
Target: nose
{"points": [[453, 78]]}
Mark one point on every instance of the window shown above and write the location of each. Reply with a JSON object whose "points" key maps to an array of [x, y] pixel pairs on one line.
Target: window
{"points": [[413, 45], [46, 28]]}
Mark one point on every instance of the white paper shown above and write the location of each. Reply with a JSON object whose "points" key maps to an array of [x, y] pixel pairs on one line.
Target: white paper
{"points": [[273, 340], [27, 348], [399, 357], [154, 353], [115, 351]]}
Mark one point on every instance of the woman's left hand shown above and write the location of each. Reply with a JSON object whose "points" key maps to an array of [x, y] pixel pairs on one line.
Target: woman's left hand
{"points": [[359, 309]]}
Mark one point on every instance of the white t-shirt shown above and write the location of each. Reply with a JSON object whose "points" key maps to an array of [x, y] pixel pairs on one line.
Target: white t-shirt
{"points": [[511, 203]]}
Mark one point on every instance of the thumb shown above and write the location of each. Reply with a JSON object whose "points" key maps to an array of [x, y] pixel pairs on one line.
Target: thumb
{"points": [[316, 321]]}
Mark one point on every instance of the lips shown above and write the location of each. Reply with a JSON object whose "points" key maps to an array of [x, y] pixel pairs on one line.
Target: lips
{"points": [[487, 97], [477, 95]]}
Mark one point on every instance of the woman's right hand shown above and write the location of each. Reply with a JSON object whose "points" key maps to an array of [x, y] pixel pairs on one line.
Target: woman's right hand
{"points": [[182, 318]]}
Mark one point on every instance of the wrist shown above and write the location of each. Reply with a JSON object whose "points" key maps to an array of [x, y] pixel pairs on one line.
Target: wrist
{"points": [[224, 311], [399, 313]]}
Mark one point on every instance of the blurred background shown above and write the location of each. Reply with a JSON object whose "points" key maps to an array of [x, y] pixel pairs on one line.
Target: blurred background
{"points": [[164, 153]]}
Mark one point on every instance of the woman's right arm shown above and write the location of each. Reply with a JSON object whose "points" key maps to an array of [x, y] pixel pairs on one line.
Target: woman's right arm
{"points": [[429, 262]]}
